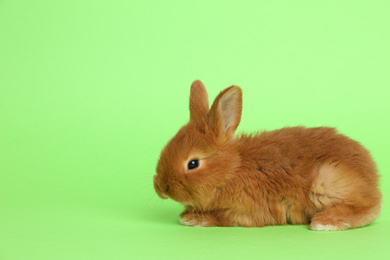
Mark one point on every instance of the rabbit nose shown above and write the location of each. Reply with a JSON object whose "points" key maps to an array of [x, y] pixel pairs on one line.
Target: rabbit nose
{"points": [[161, 187]]}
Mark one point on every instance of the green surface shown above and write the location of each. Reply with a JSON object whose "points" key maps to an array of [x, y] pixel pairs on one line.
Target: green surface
{"points": [[90, 91]]}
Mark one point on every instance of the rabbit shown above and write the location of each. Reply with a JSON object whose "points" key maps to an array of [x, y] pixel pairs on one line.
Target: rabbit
{"points": [[294, 175]]}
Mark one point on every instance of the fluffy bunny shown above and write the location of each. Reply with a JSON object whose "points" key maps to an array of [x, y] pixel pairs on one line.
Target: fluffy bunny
{"points": [[294, 175]]}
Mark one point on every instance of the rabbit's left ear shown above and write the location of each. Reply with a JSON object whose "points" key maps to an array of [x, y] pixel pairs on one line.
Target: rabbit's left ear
{"points": [[225, 113], [199, 102]]}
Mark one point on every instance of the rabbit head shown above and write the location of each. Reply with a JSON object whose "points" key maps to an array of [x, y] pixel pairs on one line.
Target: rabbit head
{"points": [[198, 160]]}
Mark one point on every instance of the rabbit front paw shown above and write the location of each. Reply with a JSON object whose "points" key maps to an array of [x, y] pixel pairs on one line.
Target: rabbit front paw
{"points": [[198, 220]]}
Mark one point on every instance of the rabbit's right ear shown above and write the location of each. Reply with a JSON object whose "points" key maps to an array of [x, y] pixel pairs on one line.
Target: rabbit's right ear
{"points": [[199, 102], [225, 113]]}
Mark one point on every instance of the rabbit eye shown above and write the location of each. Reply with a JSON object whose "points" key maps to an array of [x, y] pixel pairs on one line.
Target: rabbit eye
{"points": [[193, 164]]}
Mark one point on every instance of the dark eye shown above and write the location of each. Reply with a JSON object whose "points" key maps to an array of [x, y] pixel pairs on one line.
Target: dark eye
{"points": [[193, 164]]}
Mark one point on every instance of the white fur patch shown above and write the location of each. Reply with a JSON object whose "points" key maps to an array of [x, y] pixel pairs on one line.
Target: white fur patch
{"points": [[324, 227], [321, 227], [185, 223], [194, 223]]}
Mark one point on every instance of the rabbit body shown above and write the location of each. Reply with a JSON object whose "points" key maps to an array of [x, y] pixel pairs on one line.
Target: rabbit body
{"points": [[293, 175]]}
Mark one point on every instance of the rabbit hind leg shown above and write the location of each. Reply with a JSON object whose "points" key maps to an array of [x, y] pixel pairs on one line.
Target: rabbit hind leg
{"points": [[343, 199], [342, 217]]}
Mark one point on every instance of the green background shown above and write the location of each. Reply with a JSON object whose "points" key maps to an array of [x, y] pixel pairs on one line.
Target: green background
{"points": [[90, 91]]}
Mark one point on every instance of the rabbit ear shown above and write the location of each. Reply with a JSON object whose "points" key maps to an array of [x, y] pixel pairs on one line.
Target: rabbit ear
{"points": [[225, 113], [199, 102]]}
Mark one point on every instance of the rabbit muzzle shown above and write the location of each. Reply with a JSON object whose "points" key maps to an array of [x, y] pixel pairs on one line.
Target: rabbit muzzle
{"points": [[160, 187]]}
